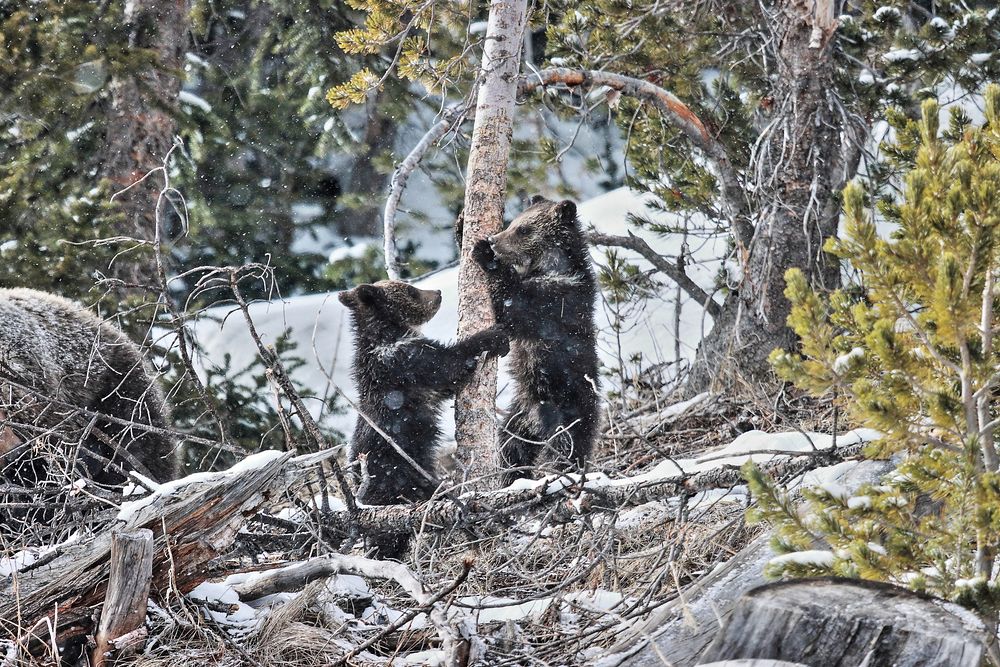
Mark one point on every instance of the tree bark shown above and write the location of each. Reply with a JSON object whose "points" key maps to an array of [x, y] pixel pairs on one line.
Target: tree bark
{"points": [[141, 123], [799, 166], [486, 185], [846, 622]]}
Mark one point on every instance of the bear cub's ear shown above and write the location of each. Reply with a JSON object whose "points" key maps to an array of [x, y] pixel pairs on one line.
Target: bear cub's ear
{"points": [[568, 210], [368, 294], [362, 295]]}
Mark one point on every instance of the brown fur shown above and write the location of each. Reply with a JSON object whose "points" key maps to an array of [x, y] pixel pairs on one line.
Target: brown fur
{"points": [[68, 358]]}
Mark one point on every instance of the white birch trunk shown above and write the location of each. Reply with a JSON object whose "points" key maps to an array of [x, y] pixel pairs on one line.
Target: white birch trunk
{"points": [[486, 185]]}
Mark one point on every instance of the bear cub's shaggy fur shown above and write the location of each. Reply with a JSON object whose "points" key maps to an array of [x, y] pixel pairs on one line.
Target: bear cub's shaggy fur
{"points": [[543, 289], [402, 380], [67, 354]]}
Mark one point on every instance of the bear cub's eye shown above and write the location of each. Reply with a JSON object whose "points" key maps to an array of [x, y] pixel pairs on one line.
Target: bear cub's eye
{"points": [[523, 231]]}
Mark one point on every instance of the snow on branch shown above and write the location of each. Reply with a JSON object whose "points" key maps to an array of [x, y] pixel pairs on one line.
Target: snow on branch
{"points": [[784, 455]]}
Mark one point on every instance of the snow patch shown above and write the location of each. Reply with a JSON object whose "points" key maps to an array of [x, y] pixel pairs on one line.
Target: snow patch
{"points": [[189, 98], [899, 55], [813, 557]]}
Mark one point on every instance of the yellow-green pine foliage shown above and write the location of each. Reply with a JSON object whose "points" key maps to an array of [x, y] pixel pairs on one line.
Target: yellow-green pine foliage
{"points": [[910, 351], [423, 42]]}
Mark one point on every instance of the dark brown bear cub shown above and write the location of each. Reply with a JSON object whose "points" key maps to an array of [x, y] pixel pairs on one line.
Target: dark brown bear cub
{"points": [[402, 380], [543, 288]]}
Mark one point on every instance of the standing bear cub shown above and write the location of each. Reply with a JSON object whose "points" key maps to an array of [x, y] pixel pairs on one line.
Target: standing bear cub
{"points": [[68, 360], [543, 290], [402, 380]]}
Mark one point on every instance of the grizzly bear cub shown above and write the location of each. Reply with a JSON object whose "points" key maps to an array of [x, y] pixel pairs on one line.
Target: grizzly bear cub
{"points": [[543, 290], [67, 359], [402, 380]]}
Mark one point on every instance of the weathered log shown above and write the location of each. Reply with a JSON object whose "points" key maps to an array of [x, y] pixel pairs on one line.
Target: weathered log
{"points": [[590, 493], [123, 616], [685, 626], [845, 622], [197, 517]]}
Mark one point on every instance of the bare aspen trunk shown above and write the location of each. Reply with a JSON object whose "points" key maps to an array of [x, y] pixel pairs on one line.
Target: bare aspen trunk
{"points": [[486, 185], [141, 126]]}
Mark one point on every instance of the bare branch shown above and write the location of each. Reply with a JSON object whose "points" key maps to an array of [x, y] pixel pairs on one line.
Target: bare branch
{"points": [[589, 494], [451, 116], [734, 199], [673, 271]]}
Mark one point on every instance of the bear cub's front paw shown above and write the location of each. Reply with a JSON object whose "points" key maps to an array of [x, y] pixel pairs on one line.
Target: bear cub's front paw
{"points": [[499, 341], [483, 255]]}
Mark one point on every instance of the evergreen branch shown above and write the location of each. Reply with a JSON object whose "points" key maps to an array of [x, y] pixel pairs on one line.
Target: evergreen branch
{"points": [[734, 198], [673, 271]]}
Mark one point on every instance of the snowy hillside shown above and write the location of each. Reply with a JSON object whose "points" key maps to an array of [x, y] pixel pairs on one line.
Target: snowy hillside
{"points": [[323, 335]]}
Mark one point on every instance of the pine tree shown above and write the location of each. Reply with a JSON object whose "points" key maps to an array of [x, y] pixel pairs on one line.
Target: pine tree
{"points": [[909, 351]]}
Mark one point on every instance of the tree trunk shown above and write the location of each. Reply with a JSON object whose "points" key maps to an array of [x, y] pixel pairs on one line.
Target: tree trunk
{"points": [[486, 185], [847, 622], [799, 167], [141, 125]]}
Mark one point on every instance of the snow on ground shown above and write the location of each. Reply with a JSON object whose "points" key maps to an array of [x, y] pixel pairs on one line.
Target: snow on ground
{"points": [[323, 335], [758, 446]]}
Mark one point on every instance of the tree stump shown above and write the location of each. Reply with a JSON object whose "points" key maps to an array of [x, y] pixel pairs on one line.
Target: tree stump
{"points": [[123, 615], [833, 622]]}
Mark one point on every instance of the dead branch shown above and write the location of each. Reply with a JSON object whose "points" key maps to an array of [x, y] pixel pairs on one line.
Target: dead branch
{"points": [[276, 370], [734, 199], [673, 271], [572, 495]]}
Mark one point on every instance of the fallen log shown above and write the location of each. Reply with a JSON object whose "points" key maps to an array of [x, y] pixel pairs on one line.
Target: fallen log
{"points": [[192, 520], [579, 493], [848, 622]]}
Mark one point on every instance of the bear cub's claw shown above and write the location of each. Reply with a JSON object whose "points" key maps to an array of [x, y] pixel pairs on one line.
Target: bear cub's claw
{"points": [[483, 255], [500, 342]]}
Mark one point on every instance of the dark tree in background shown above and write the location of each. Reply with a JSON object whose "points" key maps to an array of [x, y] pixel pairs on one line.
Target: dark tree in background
{"points": [[791, 90], [92, 100], [140, 125]]}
